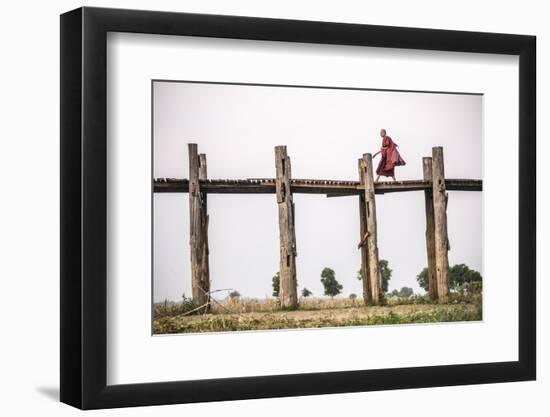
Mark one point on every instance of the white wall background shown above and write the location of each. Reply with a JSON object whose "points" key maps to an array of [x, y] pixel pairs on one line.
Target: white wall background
{"points": [[30, 228]]}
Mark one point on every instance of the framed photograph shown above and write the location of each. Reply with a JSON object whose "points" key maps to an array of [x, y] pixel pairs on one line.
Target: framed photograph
{"points": [[258, 207]]}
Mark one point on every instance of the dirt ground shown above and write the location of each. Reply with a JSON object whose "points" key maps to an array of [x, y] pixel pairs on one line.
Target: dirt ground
{"points": [[339, 314], [399, 314]]}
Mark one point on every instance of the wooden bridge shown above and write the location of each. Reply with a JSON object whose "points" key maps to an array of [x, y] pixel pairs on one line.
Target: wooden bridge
{"points": [[332, 188], [434, 185]]}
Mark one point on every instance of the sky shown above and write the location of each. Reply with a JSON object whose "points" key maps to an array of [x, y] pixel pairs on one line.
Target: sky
{"points": [[325, 131]]}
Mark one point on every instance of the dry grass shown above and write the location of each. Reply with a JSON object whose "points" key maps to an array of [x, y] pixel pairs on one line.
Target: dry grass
{"points": [[255, 314], [248, 305]]}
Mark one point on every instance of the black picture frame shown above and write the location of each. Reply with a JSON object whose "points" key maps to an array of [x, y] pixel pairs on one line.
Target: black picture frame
{"points": [[84, 207]]}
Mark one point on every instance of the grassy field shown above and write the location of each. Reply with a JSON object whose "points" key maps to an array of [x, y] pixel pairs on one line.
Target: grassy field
{"points": [[254, 314]]}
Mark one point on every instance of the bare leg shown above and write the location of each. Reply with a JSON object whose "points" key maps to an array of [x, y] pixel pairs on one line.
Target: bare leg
{"points": [[393, 178], [377, 178]]}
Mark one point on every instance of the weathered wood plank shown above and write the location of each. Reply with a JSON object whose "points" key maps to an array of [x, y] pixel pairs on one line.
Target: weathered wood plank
{"points": [[288, 291], [205, 264], [196, 233], [430, 229], [372, 241], [440, 224], [331, 188], [364, 271]]}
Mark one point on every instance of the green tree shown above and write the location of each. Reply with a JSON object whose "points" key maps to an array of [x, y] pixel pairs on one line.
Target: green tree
{"points": [[385, 273], [306, 293], [353, 296], [422, 279], [459, 275], [405, 292], [276, 284], [234, 294], [328, 279]]}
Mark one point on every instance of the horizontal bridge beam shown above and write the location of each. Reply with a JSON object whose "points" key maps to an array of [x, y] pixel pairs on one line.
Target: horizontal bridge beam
{"points": [[332, 188]]}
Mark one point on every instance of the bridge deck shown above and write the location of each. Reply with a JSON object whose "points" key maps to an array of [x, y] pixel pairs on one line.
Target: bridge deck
{"points": [[332, 188]]}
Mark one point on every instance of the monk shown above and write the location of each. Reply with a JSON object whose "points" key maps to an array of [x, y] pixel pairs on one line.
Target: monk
{"points": [[390, 157]]}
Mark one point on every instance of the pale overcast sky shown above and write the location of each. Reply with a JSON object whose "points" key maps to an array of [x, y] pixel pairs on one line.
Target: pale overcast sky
{"points": [[325, 132]]}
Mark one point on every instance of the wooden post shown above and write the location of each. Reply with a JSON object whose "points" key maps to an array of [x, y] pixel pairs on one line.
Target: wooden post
{"points": [[288, 293], [372, 241], [205, 266], [430, 229], [440, 225], [363, 230], [197, 235]]}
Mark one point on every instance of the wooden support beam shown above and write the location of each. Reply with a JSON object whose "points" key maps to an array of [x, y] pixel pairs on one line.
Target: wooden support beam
{"points": [[440, 224], [197, 235], [205, 219], [288, 291], [372, 241], [430, 228], [364, 271]]}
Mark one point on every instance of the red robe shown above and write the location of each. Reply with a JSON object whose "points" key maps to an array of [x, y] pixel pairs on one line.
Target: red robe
{"points": [[390, 158]]}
